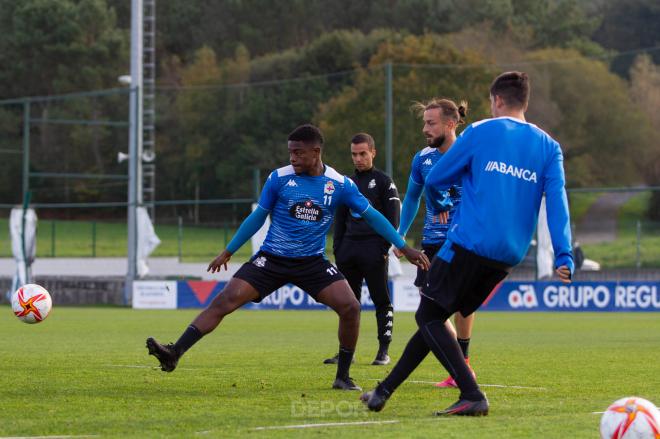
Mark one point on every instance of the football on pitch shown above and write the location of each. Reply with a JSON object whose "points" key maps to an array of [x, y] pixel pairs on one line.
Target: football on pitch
{"points": [[629, 418], [31, 303]]}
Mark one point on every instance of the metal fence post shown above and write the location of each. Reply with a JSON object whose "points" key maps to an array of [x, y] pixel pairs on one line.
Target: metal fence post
{"points": [[638, 258], [180, 237], [224, 229], [93, 239], [52, 239], [388, 120], [26, 148]]}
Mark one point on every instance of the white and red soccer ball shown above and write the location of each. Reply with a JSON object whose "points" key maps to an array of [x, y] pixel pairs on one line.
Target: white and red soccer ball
{"points": [[631, 418], [31, 303]]}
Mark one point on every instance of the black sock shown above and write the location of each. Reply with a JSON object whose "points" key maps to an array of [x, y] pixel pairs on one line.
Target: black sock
{"points": [[344, 362], [446, 350], [189, 337], [385, 323], [464, 343], [431, 320], [414, 353]]}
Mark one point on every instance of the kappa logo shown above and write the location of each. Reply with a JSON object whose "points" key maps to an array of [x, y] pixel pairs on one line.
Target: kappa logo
{"points": [[292, 183], [427, 162], [260, 262], [372, 183], [329, 188], [392, 186], [514, 171], [523, 297]]}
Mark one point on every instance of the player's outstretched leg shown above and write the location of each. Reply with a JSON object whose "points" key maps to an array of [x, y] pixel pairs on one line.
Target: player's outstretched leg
{"points": [[463, 332], [431, 321], [236, 293], [414, 353], [340, 298]]}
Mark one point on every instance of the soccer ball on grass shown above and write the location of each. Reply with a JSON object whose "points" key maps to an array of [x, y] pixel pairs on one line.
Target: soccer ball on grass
{"points": [[31, 303], [630, 418]]}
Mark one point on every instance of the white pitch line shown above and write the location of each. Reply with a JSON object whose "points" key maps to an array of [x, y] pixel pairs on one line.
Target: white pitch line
{"points": [[597, 413], [48, 437], [135, 366], [327, 424], [482, 385]]}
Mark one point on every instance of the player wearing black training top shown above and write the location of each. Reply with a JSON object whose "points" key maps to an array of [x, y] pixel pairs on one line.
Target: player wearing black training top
{"points": [[360, 252]]}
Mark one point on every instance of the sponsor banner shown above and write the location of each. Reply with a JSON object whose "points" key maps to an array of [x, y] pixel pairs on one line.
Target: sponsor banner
{"points": [[292, 297], [154, 294], [508, 296], [577, 296], [198, 294], [406, 295]]}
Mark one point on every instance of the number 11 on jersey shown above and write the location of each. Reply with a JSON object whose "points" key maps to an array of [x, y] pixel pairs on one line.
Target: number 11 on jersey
{"points": [[327, 199]]}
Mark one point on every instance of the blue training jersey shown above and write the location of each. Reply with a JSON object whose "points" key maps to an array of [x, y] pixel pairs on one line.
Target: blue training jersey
{"points": [[434, 233], [302, 209], [506, 165]]}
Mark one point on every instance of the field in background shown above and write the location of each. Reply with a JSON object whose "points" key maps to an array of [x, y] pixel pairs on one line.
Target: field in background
{"points": [[580, 202], [200, 243], [622, 252], [85, 371]]}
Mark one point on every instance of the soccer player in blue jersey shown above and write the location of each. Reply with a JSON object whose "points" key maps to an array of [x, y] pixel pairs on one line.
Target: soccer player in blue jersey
{"points": [[505, 165], [301, 199], [441, 118]]}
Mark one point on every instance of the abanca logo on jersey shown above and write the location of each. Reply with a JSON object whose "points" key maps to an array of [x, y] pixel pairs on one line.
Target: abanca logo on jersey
{"points": [[306, 211], [514, 171]]}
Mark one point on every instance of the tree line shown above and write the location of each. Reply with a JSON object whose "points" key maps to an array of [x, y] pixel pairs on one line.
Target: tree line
{"points": [[323, 62]]}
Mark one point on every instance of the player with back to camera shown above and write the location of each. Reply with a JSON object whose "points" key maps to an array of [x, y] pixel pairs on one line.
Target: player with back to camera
{"points": [[441, 118], [506, 165], [301, 199], [361, 253]]}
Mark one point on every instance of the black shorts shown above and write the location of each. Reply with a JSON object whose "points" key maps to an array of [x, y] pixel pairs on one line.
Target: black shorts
{"points": [[267, 272], [464, 283], [429, 250]]}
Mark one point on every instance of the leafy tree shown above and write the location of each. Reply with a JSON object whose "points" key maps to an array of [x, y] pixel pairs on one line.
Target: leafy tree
{"points": [[361, 106], [629, 25], [645, 92], [593, 117]]}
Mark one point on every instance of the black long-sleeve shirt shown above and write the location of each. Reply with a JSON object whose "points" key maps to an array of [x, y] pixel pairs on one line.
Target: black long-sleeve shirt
{"points": [[383, 195]]}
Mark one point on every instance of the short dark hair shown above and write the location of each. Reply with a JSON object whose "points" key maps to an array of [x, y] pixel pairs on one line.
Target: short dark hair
{"points": [[364, 138], [513, 88], [307, 134]]}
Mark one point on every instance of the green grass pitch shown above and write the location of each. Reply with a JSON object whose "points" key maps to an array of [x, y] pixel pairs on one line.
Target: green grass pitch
{"points": [[85, 371]]}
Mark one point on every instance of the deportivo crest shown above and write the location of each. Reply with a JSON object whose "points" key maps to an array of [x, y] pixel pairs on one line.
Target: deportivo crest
{"points": [[306, 211], [372, 183], [329, 188], [260, 261]]}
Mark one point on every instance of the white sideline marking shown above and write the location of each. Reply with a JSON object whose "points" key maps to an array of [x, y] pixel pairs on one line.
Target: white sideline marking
{"points": [[328, 424], [597, 413], [135, 366], [481, 385], [48, 437]]}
